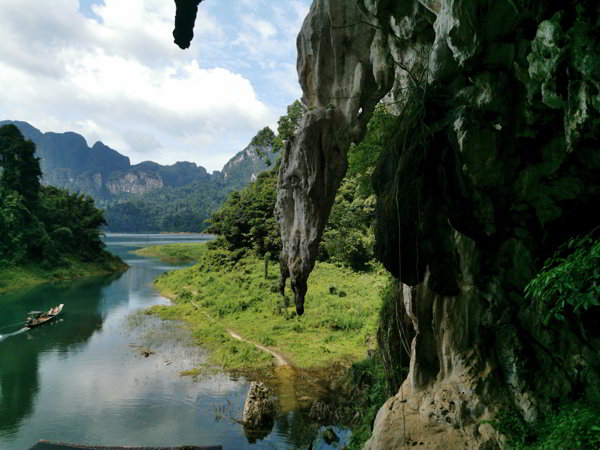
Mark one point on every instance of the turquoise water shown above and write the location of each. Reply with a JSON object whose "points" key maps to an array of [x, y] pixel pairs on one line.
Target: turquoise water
{"points": [[82, 378]]}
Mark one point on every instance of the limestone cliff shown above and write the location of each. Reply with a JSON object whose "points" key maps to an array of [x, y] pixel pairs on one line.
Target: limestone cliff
{"points": [[495, 162]]}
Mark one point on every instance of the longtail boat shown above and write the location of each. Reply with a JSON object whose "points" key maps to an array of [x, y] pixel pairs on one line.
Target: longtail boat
{"points": [[37, 318]]}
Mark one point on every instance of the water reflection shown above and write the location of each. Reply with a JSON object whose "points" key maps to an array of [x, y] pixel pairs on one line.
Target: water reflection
{"points": [[20, 350], [82, 370]]}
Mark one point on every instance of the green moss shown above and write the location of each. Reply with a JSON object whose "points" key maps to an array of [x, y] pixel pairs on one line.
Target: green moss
{"points": [[219, 294]]}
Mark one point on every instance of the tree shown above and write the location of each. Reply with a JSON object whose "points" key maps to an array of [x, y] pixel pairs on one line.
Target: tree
{"points": [[21, 170], [72, 221], [13, 216], [246, 219], [349, 235], [569, 282], [41, 223], [287, 125], [264, 138]]}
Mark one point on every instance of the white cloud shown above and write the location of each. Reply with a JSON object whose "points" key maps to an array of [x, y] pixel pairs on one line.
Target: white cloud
{"points": [[120, 79]]}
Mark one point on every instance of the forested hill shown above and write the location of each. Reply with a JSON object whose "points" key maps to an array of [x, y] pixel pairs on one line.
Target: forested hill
{"points": [[145, 196], [45, 232]]}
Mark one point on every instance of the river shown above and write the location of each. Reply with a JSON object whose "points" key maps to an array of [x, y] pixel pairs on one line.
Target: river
{"points": [[84, 378]]}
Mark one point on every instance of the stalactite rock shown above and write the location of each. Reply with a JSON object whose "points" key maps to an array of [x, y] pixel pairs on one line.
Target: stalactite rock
{"points": [[342, 79]]}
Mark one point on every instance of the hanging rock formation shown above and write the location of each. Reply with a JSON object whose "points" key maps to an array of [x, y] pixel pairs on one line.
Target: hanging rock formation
{"points": [[185, 17], [494, 164], [342, 79]]}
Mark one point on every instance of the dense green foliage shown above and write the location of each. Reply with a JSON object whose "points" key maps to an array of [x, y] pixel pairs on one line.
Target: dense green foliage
{"points": [[20, 167], [567, 284], [41, 224], [349, 236], [246, 220], [288, 124], [171, 209], [72, 222], [370, 375], [362, 158], [574, 425], [570, 279]]}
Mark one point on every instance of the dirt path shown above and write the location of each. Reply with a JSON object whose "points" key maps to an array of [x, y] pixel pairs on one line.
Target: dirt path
{"points": [[281, 361]]}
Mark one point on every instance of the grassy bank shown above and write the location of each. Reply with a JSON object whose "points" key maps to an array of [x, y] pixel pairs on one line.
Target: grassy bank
{"points": [[174, 253], [227, 292], [14, 277]]}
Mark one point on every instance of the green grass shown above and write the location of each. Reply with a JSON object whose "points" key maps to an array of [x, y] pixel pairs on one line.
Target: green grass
{"points": [[216, 294], [174, 253], [21, 276]]}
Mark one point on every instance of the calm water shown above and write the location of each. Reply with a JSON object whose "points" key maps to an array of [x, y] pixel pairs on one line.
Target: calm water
{"points": [[82, 379]]}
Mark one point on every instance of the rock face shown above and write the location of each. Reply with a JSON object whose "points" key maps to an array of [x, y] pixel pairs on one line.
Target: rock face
{"points": [[495, 162], [246, 165], [135, 183], [259, 408], [342, 83]]}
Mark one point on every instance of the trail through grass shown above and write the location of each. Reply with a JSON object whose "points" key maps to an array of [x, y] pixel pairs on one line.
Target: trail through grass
{"points": [[339, 324]]}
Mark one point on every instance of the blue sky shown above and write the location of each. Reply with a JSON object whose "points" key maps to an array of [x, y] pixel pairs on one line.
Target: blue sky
{"points": [[109, 70]]}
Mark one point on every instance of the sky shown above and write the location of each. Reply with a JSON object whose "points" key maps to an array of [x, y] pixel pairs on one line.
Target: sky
{"points": [[109, 70]]}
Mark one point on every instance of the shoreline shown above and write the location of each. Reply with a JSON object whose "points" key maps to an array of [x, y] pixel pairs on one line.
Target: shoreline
{"points": [[16, 277], [339, 326], [331, 370]]}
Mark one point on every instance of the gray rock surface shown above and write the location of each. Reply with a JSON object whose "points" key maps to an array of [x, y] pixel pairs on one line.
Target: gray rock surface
{"points": [[259, 408], [496, 162], [341, 84]]}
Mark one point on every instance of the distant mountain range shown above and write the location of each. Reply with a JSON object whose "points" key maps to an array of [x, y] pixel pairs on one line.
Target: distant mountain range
{"points": [[144, 197]]}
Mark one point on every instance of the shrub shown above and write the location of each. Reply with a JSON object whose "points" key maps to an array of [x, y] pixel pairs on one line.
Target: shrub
{"points": [[574, 425], [569, 280], [369, 375], [268, 341]]}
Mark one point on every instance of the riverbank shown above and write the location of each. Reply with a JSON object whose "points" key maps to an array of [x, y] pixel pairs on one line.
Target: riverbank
{"points": [[335, 370], [174, 253], [226, 292], [13, 277]]}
